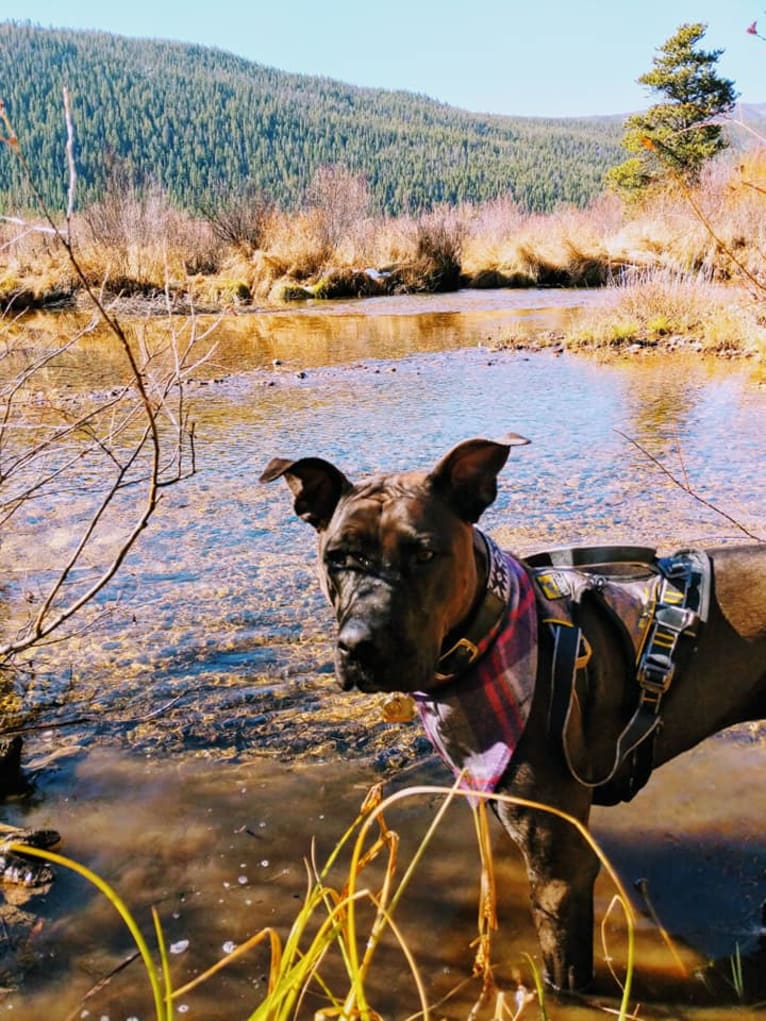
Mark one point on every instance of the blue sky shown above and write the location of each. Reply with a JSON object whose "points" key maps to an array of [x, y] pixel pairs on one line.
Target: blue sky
{"points": [[548, 58]]}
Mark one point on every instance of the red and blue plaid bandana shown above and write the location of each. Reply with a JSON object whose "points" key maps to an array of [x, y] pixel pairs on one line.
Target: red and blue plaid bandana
{"points": [[476, 720]]}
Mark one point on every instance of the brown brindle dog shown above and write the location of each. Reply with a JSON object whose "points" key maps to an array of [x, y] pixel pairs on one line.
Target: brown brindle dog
{"points": [[400, 561]]}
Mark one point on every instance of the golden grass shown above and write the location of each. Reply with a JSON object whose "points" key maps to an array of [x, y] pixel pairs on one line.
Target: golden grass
{"points": [[329, 920], [139, 245], [665, 308]]}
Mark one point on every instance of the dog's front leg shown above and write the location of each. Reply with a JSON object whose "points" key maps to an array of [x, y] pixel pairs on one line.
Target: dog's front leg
{"points": [[562, 870]]}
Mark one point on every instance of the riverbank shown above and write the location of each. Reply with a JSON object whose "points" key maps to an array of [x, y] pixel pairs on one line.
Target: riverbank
{"points": [[148, 257]]}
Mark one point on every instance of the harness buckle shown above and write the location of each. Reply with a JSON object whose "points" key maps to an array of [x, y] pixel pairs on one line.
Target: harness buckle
{"points": [[553, 584], [655, 677], [676, 618], [467, 645]]}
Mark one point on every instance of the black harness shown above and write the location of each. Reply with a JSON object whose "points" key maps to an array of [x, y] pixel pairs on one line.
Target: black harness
{"points": [[659, 605]]}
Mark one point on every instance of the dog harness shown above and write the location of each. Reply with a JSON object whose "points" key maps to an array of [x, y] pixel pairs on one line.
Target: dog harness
{"points": [[475, 717], [658, 604]]}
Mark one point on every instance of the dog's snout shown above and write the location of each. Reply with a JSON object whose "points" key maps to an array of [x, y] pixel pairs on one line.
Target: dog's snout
{"points": [[356, 644], [358, 657]]}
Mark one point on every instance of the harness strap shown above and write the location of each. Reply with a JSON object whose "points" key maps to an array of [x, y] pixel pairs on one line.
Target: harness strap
{"points": [[683, 602], [594, 557], [566, 663]]}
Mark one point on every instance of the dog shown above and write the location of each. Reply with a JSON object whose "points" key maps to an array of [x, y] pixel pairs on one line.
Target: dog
{"points": [[416, 589]]}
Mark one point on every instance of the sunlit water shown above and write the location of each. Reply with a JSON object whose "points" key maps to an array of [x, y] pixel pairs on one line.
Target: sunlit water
{"points": [[191, 745]]}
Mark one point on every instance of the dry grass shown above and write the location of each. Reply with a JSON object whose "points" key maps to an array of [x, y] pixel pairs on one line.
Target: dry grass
{"points": [[661, 307], [137, 244], [566, 248], [325, 962]]}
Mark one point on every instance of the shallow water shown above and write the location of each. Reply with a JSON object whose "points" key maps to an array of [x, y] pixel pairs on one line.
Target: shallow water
{"points": [[204, 702]]}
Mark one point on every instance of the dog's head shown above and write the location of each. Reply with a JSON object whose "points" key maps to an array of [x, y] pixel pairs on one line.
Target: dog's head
{"points": [[396, 557]]}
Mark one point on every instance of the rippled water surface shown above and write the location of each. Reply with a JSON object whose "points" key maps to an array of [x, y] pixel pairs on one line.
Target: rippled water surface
{"points": [[195, 737]]}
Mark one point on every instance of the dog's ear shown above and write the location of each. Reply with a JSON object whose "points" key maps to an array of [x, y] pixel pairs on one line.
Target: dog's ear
{"points": [[466, 477], [316, 485]]}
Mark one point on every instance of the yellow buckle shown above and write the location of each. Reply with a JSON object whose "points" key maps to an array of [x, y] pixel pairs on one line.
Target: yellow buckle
{"points": [[549, 586], [585, 653], [461, 643]]}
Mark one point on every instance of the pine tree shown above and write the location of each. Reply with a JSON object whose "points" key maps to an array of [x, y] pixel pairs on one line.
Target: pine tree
{"points": [[678, 136]]}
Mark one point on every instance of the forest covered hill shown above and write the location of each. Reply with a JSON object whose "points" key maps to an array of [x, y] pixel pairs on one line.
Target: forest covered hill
{"points": [[197, 120], [201, 123]]}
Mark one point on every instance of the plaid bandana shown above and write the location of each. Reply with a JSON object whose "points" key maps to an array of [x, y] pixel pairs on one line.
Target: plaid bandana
{"points": [[475, 721]]}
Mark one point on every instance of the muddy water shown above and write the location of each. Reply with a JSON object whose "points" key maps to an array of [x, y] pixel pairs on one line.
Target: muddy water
{"points": [[191, 746]]}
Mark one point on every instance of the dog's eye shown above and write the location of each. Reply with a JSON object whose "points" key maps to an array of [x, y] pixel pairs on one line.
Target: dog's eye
{"points": [[423, 555], [337, 558], [340, 559]]}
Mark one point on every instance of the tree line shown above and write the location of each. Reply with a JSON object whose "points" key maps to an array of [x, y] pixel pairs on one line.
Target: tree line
{"points": [[197, 121]]}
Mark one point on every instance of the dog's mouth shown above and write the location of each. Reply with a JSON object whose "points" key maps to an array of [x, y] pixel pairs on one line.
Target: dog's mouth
{"points": [[377, 673]]}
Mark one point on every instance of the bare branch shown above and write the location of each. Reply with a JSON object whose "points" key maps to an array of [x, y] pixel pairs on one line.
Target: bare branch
{"points": [[137, 437], [70, 165], [684, 485]]}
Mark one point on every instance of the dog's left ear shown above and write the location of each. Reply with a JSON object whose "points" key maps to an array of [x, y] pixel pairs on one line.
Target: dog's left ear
{"points": [[316, 485], [466, 477]]}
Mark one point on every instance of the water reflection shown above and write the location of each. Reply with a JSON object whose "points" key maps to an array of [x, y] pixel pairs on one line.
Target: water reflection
{"points": [[324, 333]]}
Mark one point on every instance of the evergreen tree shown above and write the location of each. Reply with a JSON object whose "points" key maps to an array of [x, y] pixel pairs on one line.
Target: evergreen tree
{"points": [[678, 136]]}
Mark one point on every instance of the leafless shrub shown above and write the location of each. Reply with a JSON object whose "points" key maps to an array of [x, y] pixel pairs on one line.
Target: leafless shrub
{"points": [[128, 213], [496, 221], [240, 218], [134, 233], [341, 200], [108, 454]]}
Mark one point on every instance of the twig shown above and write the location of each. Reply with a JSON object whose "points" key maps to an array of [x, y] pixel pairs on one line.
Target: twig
{"points": [[680, 454], [102, 982], [73, 721], [151, 401], [642, 886], [687, 488], [70, 165]]}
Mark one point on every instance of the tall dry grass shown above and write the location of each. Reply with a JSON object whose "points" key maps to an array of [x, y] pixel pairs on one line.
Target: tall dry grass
{"points": [[673, 309], [322, 966], [238, 254]]}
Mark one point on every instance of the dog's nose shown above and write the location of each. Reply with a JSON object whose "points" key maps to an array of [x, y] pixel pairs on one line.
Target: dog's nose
{"points": [[357, 646]]}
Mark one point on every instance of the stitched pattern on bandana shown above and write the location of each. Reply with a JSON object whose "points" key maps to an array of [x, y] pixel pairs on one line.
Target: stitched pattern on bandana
{"points": [[475, 721]]}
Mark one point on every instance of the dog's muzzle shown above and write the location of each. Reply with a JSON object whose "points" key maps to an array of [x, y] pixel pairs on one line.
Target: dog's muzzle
{"points": [[373, 660]]}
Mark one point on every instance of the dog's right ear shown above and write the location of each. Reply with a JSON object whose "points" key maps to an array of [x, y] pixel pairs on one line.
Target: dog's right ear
{"points": [[316, 485]]}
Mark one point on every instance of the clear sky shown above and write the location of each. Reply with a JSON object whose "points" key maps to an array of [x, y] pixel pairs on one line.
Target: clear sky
{"points": [[527, 57]]}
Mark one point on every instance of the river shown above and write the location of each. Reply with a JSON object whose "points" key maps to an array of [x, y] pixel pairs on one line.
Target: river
{"points": [[192, 744]]}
